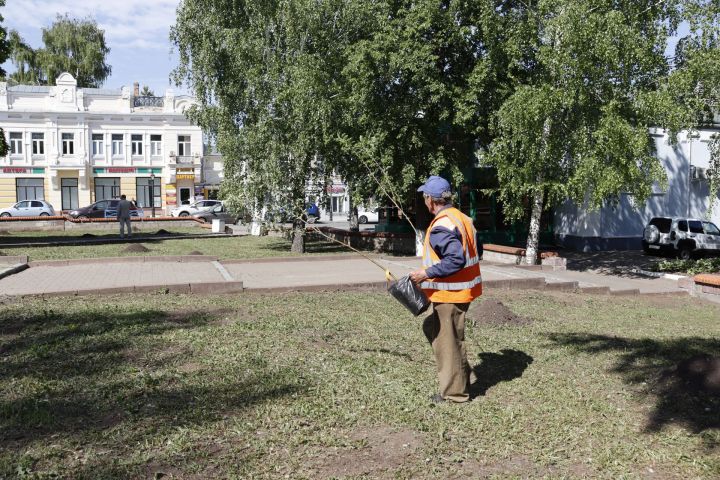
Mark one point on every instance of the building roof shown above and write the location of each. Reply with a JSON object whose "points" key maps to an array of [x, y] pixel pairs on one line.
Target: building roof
{"points": [[29, 89], [102, 91]]}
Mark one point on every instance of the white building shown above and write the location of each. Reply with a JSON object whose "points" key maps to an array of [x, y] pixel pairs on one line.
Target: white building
{"points": [[619, 226], [72, 146]]}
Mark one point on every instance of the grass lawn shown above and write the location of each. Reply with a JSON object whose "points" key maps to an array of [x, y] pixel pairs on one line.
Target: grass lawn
{"points": [[222, 247], [336, 385]]}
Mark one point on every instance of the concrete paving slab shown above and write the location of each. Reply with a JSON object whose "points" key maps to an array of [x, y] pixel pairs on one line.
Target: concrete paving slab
{"points": [[303, 273], [84, 277]]}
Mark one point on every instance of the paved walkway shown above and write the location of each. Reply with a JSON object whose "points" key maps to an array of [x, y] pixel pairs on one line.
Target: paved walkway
{"points": [[206, 274]]}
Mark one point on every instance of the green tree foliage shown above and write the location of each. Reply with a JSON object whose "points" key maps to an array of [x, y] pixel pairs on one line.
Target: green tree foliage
{"points": [[576, 123], [24, 58], [557, 95], [4, 54], [263, 75], [418, 88], [70, 45], [146, 92]]}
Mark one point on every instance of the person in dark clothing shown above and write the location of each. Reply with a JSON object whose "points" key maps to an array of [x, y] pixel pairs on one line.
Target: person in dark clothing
{"points": [[123, 216]]}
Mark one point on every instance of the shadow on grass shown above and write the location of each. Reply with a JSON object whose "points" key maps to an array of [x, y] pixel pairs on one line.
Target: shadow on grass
{"points": [[311, 246], [674, 371], [80, 373], [498, 367]]}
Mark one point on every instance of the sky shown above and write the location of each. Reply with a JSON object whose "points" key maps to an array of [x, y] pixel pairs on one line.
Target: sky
{"points": [[136, 31]]}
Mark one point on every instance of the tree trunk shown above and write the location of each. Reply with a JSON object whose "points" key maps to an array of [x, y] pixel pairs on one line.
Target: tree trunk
{"points": [[298, 238], [532, 249]]}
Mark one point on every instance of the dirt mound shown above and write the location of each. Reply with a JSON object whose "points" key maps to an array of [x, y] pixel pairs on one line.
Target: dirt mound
{"points": [[494, 312], [195, 252], [136, 247], [162, 231], [4, 232], [87, 235], [698, 373]]}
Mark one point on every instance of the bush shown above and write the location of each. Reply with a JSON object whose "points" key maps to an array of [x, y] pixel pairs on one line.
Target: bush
{"points": [[691, 267]]}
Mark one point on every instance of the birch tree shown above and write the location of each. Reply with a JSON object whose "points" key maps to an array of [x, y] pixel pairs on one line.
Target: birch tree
{"points": [[265, 77]]}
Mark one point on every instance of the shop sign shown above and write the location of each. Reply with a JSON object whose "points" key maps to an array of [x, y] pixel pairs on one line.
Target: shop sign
{"points": [[185, 176], [336, 189], [121, 170], [25, 170]]}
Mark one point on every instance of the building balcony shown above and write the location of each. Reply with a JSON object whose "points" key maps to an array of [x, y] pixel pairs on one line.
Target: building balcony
{"points": [[148, 102], [185, 160]]}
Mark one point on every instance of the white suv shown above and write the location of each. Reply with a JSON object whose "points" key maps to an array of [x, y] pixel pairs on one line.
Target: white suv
{"points": [[686, 237]]}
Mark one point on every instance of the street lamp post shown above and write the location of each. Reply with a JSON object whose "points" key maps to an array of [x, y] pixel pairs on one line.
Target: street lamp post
{"points": [[152, 193]]}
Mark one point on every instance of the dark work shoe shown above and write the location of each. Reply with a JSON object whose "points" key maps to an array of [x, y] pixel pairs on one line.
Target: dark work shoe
{"points": [[437, 398]]}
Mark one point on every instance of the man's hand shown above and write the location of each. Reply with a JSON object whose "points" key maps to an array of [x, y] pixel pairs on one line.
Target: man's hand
{"points": [[418, 276]]}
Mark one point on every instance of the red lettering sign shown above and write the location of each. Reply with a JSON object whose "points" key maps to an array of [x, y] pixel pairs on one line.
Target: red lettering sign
{"points": [[14, 170], [121, 170]]}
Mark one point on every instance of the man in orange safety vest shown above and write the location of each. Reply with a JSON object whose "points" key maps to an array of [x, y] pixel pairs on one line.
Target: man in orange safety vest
{"points": [[451, 279]]}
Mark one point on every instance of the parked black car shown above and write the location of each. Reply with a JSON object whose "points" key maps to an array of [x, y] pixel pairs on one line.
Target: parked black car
{"points": [[102, 209]]}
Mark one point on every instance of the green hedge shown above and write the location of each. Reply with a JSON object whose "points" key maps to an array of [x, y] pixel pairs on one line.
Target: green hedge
{"points": [[691, 267]]}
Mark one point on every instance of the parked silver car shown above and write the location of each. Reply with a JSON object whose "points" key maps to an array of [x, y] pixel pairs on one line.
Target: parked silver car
{"points": [[29, 208], [219, 211], [685, 237], [197, 207]]}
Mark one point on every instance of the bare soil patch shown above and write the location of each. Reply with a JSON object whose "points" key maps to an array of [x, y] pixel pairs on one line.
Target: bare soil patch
{"points": [[379, 451], [195, 252], [162, 231], [494, 312], [88, 235], [136, 247]]}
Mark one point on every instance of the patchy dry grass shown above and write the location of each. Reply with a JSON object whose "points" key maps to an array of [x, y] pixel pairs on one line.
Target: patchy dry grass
{"points": [[336, 386]]}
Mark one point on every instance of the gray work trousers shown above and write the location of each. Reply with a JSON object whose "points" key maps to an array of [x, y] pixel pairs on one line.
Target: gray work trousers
{"points": [[445, 330], [125, 222]]}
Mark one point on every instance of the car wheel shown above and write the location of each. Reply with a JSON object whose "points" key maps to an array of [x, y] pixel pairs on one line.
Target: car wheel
{"points": [[184, 214], [646, 248], [82, 217], [44, 214], [362, 219], [685, 253], [203, 219], [5, 215]]}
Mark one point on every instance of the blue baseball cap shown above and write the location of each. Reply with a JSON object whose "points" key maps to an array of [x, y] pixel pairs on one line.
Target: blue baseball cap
{"points": [[435, 186]]}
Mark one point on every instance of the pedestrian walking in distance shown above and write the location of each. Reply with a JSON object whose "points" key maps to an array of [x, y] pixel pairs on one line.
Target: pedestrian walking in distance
{"points": [[451, 279], [123, 216]]}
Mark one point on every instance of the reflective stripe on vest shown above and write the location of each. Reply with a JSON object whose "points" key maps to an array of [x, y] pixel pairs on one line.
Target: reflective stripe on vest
{"points": [[452, 286]]}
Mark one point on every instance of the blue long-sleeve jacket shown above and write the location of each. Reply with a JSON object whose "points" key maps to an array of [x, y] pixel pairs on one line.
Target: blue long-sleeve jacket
{"points": [[448, 246]]}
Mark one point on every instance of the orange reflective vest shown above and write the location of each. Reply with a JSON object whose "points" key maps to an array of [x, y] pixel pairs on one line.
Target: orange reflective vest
{"points": [[462, 286]]}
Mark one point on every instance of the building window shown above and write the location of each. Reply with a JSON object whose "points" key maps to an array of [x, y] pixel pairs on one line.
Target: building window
{"points": [[68, 144], [38, 144], [16, 139], [155, 145], [69, 193], [183, 145], [136, 145], [107, 188], [117, 145], [30, 189], [143, 192], [98, 145]]}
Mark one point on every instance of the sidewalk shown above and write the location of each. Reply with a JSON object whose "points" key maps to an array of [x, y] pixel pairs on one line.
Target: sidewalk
{"points": [[208, 275]]}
